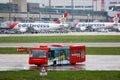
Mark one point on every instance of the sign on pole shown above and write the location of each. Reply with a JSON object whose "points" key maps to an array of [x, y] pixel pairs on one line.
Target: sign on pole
{"points": [[43, 72]]}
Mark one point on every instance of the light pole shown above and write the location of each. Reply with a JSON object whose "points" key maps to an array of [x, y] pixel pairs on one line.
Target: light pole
{"points": [[88, 17], [9, 11], [39, 16], [50, 8], [14, 15], [92, 9], [28, 16], [72, 4], [96, 5]]}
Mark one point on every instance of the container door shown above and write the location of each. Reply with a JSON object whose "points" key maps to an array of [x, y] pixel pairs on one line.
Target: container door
{"points": [[51, 54], [51, 58]]}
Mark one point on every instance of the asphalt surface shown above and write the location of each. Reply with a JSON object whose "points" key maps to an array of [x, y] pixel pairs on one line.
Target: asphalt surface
{"points": [[14, 62], [93, 62], [38, 44], [64, 34]]}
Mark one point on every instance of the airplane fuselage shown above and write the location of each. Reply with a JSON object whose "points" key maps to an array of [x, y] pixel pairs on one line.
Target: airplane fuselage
{"points": [[94, 25], [38, 26], [98, 25]]}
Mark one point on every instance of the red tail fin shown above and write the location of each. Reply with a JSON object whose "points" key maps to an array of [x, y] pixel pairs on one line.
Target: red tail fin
{"points": [[116, 18], [62, 19], [65, 14]]}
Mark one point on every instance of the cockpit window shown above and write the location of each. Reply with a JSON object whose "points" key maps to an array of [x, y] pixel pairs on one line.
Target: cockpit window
{"points": [[38, 53]]}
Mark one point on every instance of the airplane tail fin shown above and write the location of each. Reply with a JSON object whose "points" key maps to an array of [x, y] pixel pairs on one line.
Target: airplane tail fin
{"points": [[116, 18], [62, 19]]}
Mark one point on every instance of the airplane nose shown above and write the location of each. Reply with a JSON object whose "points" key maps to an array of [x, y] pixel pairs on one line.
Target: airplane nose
{"points": [[13, 24]]}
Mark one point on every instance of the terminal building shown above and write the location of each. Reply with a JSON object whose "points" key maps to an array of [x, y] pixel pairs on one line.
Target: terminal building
{"points": [[81, 10]]}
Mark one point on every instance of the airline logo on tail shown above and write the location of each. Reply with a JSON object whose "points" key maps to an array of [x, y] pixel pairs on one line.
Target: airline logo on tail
{"points": [[62, 19], [116, 18]]}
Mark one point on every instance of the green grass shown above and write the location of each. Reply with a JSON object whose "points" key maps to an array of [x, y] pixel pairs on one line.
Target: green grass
{"points": [[41, 39], [89, 51], [103, 50], [60, 75], [10, 51]]}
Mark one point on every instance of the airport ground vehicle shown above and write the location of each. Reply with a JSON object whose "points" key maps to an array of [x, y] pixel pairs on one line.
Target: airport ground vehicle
{"points": [[55, 54]]}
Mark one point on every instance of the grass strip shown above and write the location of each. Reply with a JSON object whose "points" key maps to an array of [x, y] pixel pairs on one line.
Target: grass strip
{"points": [[10, 51], [89, 51], [48, 39], [103, 50], [60, 75]]}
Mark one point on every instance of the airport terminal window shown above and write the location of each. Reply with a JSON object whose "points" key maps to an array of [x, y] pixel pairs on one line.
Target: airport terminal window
{"points": [[113, 2], [7, 7], [52, 6], [88, 6], [115, 8], [79, 6], [49, 6], [68, 6], [58, 6]]}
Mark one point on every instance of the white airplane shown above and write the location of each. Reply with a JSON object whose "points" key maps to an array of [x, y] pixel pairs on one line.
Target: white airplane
{"points": [[116, 27], [93, 26], [23, 27], [97, 25]]}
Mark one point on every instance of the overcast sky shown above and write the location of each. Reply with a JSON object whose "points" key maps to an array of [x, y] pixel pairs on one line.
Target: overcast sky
{"points": [[35, 1]]}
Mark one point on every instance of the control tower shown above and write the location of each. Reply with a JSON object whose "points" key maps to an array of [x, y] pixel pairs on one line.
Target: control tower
{"points": [[22, 5]]}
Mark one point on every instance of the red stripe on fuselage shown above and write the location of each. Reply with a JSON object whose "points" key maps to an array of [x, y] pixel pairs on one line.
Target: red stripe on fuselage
{"points": [[13, 24]]}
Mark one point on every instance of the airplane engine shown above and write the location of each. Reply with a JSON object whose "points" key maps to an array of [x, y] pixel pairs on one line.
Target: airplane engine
{"points": [[36, 28], [23, 30], [82, 28], [93, 27], [119, 29]]}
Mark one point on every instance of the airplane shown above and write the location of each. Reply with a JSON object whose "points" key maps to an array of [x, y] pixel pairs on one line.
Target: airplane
{"points": [[23, 27], [94, 26], [116, 25]]}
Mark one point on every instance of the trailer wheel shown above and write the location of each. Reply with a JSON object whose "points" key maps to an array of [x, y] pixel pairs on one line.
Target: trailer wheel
{"points": [[38, 65], [54, 63], [73, 63]]}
